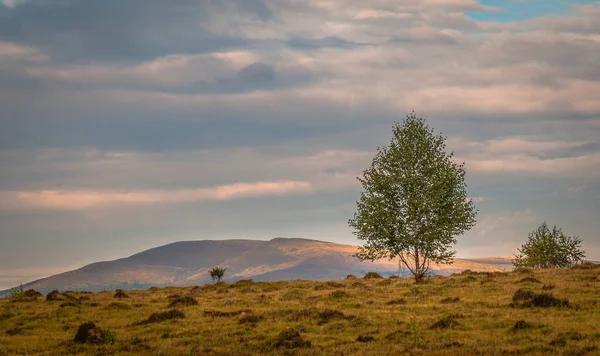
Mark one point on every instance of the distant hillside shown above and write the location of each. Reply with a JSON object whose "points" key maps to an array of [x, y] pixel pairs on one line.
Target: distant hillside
{"points": [[187, 263]]}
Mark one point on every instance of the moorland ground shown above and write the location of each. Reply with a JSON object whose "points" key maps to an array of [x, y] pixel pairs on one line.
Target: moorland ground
{"points": [[520, 312]]}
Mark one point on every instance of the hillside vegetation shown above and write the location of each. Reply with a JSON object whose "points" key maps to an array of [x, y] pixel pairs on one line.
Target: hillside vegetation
{"points": [[494, 313]]}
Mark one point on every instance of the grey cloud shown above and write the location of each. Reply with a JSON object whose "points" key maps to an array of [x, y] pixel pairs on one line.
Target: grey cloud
{"points": [[76, 30]]}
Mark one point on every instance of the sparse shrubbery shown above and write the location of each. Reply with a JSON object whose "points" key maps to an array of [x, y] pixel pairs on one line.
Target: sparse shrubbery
{"points": [[522, 294], [120, 294], [400, 301], [372, 275], [529, 280], [450, 300], [527, 299], [160, 317], [69, 304], [89, 333], [16, 294], [365, 338], [290, 339], [14, 331], [250, 319], [521, 325], [56, 296], [217, 313], [118, 306], [445, 323], [339, 294], [183, 301]]}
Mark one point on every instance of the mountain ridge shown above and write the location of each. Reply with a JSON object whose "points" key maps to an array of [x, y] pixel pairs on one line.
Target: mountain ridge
{"points": [[184, 263]]}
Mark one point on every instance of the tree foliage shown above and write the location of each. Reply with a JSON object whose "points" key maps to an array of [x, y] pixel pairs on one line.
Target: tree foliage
{"points": [[217, 274], [547, 248], [414, 201]]}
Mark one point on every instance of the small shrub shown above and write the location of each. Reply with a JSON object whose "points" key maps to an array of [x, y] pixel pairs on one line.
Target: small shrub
{"points": [[32, 293], [13, 331], [469, 278], [89, 333], [359, 285], [562, 338], [547, 300], [329, 314], [385, 282], [218, 314], [217, 274], [400, 301], [16, 294], [372, 275], [521, 325], [7, 315], [335, 284], [338, 294], [351, 276], [56, 296], [365, 338], [183, 301], [120, 294], [444, 323], [529, 280], [290, 339], [548, 287], [160, 317], [522, 294], [118, 306], [69, 304], [450, 300], [393, 277], [250, 319], [414, 330]]}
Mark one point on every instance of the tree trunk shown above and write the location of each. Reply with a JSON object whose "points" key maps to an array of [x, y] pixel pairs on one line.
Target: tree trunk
{"points": [[418, 272]]}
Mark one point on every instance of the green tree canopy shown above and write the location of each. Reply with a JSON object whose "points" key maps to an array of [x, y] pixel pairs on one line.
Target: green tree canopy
{"points": [[414, 201], [547, 248]]}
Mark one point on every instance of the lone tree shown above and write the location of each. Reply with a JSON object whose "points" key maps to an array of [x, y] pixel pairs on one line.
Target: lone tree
{"points": [[414, 201], [217, 274], [547, 248]]}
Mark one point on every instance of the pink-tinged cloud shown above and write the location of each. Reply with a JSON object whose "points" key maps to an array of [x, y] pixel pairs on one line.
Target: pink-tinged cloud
{"points": [[81, 200]]}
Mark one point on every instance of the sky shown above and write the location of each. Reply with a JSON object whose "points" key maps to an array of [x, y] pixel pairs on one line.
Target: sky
{"points": [[126, 125]]}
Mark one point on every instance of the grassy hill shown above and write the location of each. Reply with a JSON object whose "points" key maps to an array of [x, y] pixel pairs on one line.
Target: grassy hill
{"points": [[497, 313]]}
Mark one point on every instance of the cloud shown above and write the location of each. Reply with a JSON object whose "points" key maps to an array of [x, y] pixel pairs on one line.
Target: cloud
{"points": [[80, 200], [122, 112]]}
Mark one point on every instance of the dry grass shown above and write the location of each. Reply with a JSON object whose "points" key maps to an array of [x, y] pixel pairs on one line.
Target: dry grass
{"points": [[465, 314]]}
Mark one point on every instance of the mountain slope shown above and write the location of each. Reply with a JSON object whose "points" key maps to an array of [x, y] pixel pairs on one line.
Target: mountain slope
{"points": [[187, 263]]}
